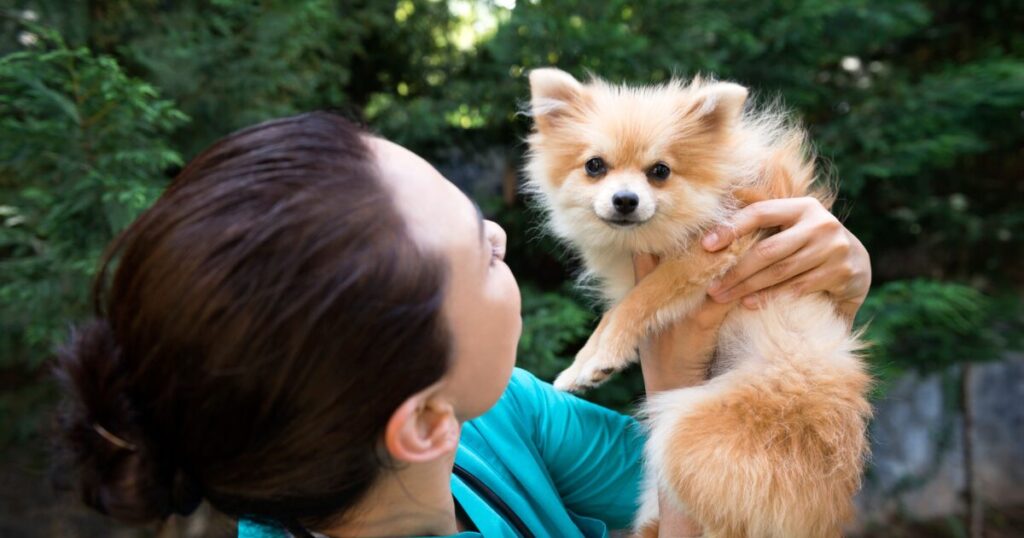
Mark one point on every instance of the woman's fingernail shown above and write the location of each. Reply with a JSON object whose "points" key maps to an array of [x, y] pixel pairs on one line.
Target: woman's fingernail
{"points": [[710, 240], [750, 301], [713, 287]]}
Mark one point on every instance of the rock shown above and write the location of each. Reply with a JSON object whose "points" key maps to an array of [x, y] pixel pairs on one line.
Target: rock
{"points": [[997, 434], [916, 469]]}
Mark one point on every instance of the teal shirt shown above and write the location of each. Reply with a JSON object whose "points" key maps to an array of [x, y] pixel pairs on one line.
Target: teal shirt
{"points": [[565, 466]]}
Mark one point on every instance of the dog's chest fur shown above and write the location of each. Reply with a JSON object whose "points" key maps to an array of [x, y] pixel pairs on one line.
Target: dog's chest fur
{"points": [[610, 271]]}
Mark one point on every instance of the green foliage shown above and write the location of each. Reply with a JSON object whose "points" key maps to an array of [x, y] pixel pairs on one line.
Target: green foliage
{"points": [[925, 325], [930, 165], [922, 324], [280, 57], [914, 105], [82, 150], [555, 326]]}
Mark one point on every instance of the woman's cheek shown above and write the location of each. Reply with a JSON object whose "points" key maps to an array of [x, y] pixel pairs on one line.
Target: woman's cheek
{"points": [[507, 311], [515, 299]]}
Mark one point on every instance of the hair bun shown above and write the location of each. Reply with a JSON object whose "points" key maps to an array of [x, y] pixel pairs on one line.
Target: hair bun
{"points": [[119, 472]]}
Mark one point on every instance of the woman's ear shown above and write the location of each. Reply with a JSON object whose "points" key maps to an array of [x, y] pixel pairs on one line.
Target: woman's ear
{"points": [[422, 429]]}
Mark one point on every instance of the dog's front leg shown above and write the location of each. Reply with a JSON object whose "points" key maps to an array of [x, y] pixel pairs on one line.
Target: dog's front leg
{"points": [[670, 292], [567, 379]]}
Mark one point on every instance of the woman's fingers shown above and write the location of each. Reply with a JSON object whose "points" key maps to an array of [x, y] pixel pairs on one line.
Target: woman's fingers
{"points": [[820, 278], [812, 252], [798, 263], [770, 254], [816, 238], [767, 214]]}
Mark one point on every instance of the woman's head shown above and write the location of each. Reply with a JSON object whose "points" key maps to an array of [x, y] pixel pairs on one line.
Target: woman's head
{"points": [[482, 300], [267, 317]]}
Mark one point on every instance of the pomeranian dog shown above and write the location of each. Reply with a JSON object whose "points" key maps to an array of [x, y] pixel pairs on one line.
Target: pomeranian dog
{"points": [[773, 445]]}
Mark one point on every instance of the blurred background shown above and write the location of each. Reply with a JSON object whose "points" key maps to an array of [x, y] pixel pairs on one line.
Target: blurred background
{"points": [[916, 108]]}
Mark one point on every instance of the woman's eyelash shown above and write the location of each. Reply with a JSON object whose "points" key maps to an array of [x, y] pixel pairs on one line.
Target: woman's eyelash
{"points": [[495, 249]]}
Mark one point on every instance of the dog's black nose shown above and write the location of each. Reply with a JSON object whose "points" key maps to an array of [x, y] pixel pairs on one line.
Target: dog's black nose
{"points": [[625, 202]]}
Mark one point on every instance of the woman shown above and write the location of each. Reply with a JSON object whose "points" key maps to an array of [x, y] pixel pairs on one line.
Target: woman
{"points": [[311, 327]]}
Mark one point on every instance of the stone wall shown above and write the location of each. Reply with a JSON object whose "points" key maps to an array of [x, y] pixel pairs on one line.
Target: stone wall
{"points": [[947, 445]]}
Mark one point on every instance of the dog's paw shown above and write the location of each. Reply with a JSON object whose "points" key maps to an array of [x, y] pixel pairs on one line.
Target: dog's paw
{"points": [[567, 380], [602, 365], [598, 371], [571, 380]]}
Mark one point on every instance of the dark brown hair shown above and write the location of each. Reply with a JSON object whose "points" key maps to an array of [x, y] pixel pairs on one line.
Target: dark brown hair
{"points": [[266, 317]]}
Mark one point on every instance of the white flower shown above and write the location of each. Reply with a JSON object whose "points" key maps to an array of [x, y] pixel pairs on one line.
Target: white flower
{"points": [[27, 39], [850, 63]]}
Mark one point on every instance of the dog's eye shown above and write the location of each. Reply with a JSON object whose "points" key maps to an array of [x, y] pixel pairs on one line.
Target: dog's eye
{"points": [[659, 171], [595, 167]]}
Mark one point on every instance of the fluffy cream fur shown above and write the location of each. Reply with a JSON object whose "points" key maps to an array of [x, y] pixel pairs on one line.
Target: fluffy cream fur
{"points": [[774, 446]]}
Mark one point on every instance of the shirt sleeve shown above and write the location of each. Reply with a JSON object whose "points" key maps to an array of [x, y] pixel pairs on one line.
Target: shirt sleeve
{"points": [[593, 454]]}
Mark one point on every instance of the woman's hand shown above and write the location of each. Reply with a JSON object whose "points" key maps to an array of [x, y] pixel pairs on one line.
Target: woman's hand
{"points": [[812, 252], [679, 356]]}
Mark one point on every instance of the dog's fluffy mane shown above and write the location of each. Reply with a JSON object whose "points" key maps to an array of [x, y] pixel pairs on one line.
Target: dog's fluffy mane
{"points": [[763, 155]]}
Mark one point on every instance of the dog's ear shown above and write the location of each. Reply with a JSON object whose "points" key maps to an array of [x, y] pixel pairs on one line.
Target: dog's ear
{"points": [[718, 104], [553, 93]]}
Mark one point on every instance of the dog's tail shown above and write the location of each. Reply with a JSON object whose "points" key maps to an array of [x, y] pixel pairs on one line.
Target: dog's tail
{"points": [[774, 447], [785, 159], [789, 169]]}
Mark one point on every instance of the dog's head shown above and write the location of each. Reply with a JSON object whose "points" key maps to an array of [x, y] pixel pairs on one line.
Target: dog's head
{"points": [[640, 168]]}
